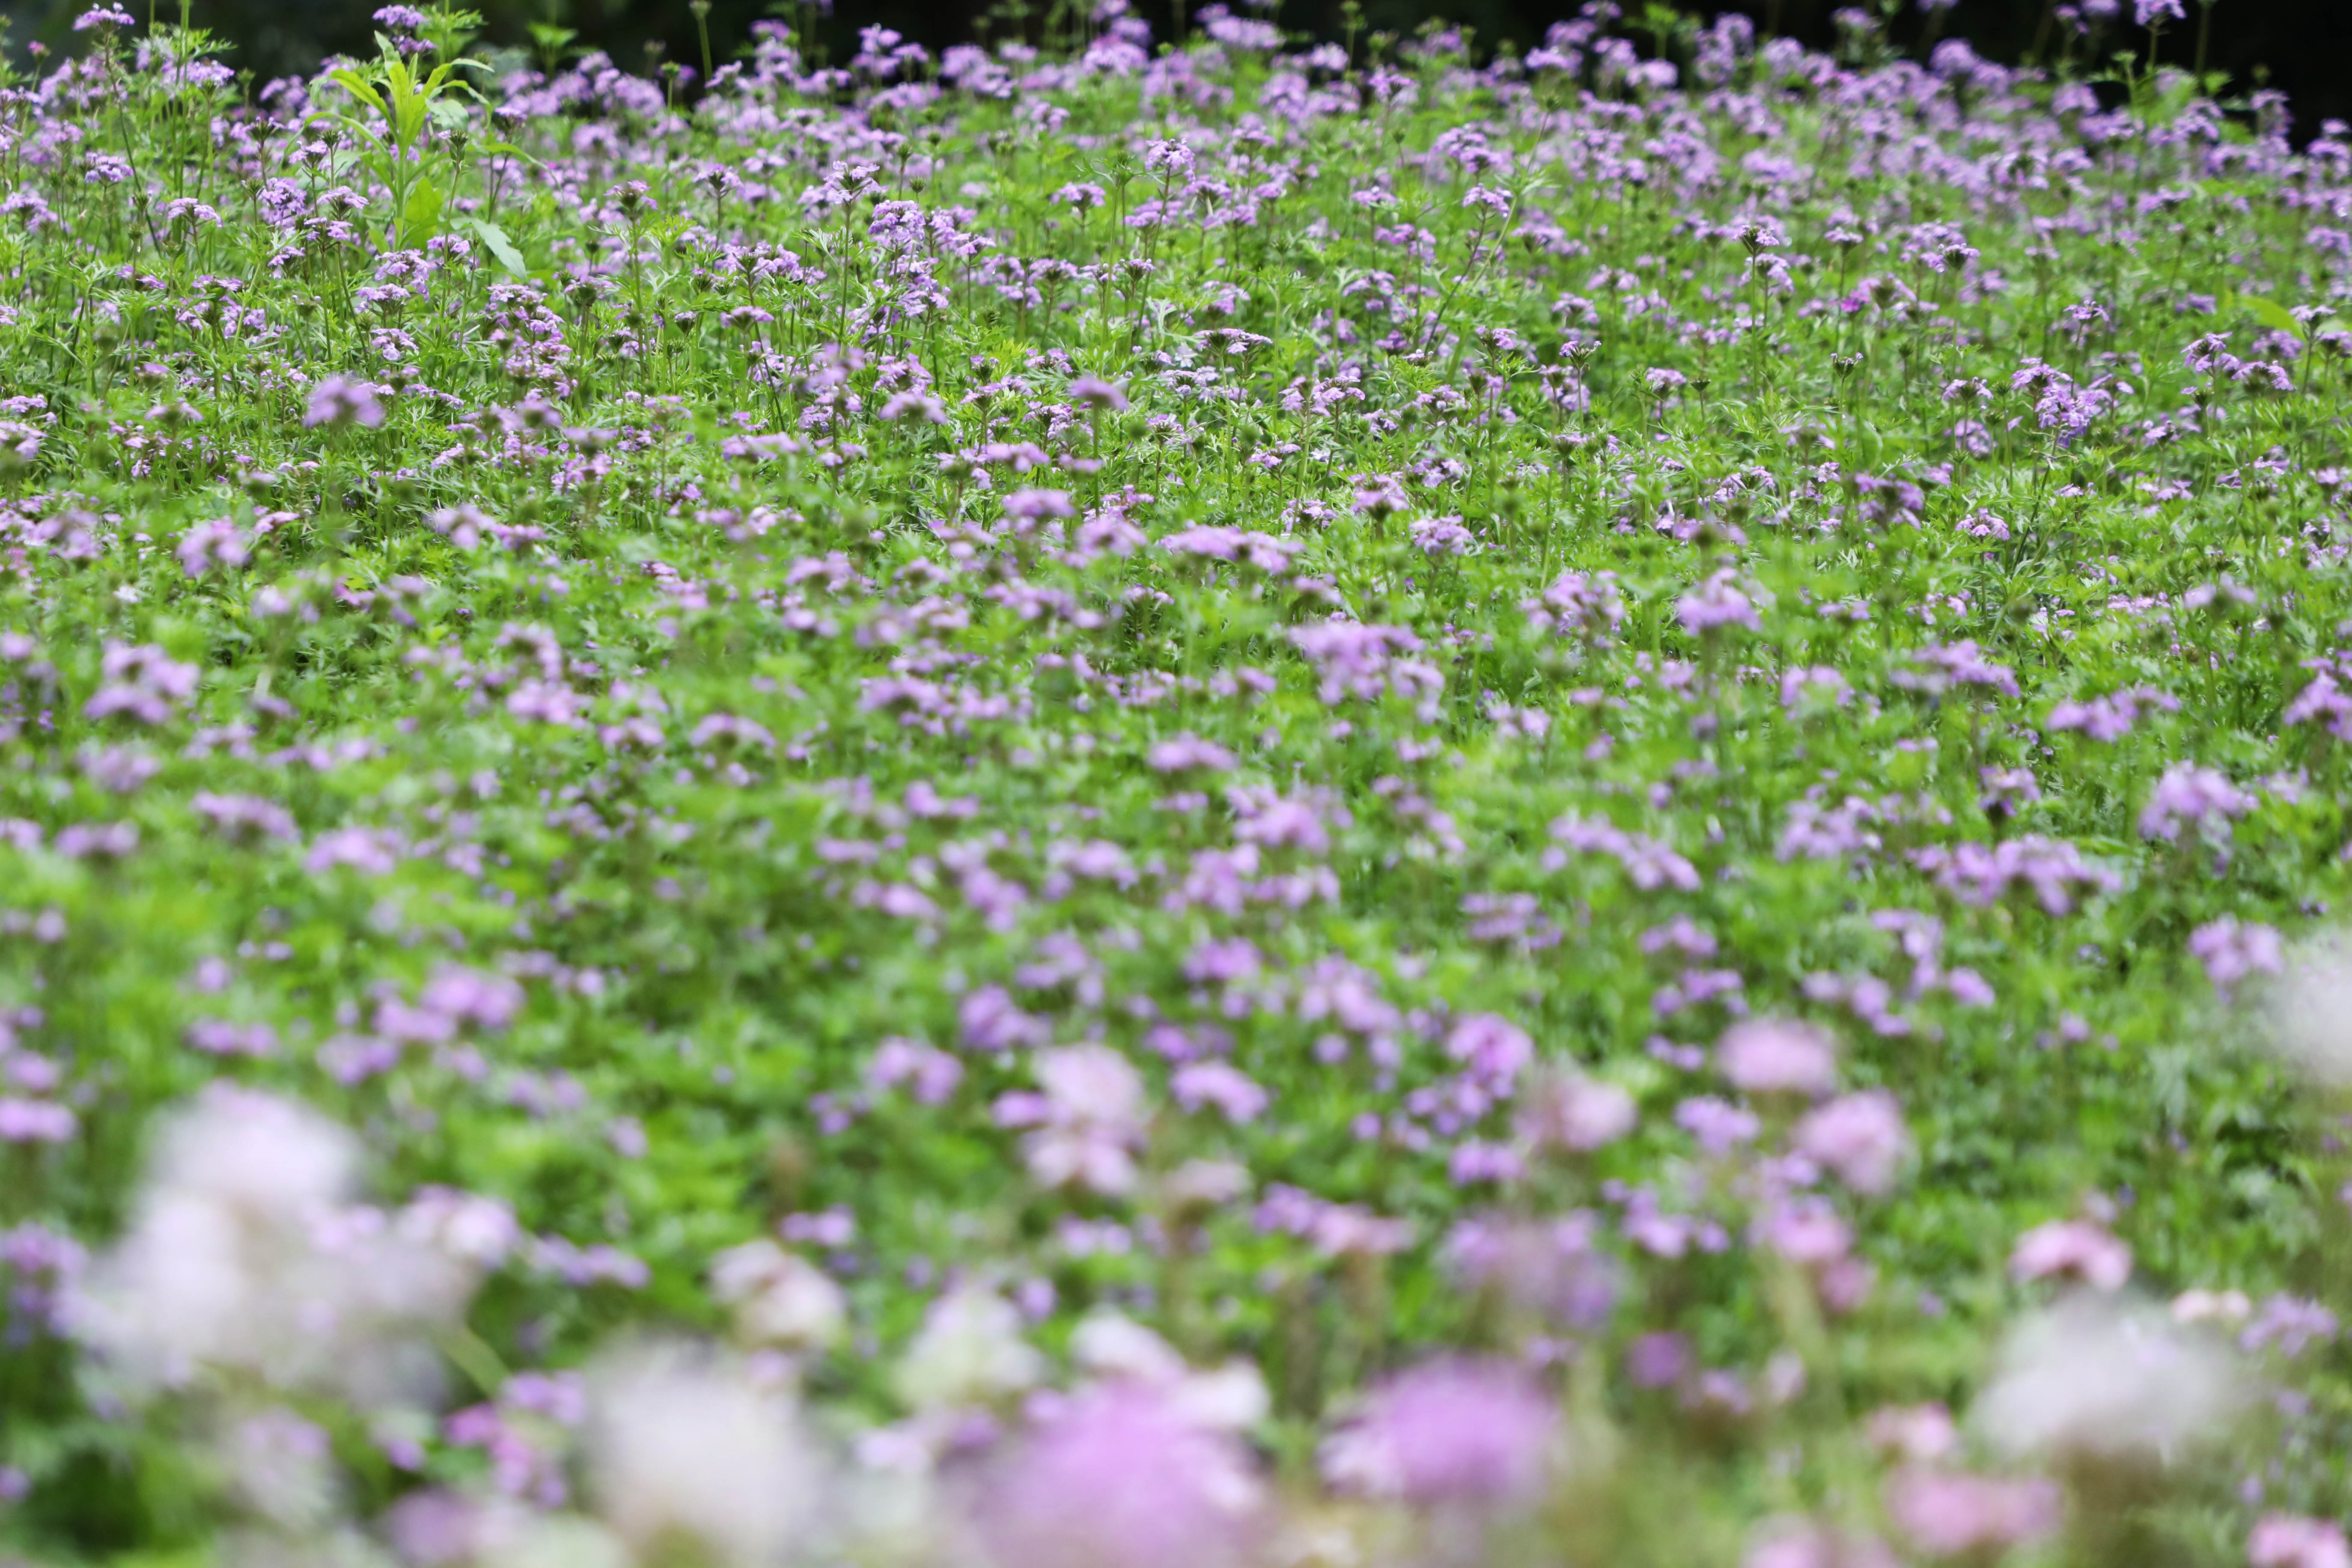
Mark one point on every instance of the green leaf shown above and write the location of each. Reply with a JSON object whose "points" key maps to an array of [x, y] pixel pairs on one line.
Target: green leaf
{"points": [[357, 86], [2269, 312], [495, 240], [420, 216]]}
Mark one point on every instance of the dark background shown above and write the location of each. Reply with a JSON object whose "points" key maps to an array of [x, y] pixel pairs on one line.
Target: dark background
{"points": [[2303, 46]]}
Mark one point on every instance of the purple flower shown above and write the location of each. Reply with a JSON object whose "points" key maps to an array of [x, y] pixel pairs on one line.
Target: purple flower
{"points": [[1715, 603], [2149, 11], [2232, 950], [2291, 1325], [2191, 797], [1186, 752], [1579, 605], [1447, 1432], [1490, 1047], [1441, 536], [35, 1120], [1549, 1267], [1659, 1361], [335, 400], [1799, 1543], [220, 542], [1035, 506], [1718, 1125], [1232, 1093], [913, 406]]}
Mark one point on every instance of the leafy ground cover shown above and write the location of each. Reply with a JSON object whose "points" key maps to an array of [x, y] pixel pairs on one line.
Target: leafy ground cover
{"points": [[1152, 806]]}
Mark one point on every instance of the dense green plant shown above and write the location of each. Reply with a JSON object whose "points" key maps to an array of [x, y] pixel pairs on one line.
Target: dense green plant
{"points": [[1654, 725]]}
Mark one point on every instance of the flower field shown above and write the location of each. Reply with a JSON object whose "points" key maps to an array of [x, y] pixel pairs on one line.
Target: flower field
{"points": [[1130, 805]]}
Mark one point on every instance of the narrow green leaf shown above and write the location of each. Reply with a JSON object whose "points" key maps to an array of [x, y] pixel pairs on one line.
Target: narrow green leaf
{"points": [[495, 240]]}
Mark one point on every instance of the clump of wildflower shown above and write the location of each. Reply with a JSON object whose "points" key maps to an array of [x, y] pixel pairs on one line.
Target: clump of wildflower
{"points": [[1448, 1432]]}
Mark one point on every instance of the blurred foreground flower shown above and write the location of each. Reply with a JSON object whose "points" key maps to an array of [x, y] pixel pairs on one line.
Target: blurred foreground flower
{"points": [[1123, 1476], [779, 1298], [245, 1255], [1448, 1432], [690, 1459], [969, 1351], [2311, 1009], [2100, 1381]]}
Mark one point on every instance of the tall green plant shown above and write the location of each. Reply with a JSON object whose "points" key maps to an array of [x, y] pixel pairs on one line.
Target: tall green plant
{"points": [[403, 106]]}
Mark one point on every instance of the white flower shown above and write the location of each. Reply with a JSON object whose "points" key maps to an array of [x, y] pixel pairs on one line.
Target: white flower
{"points": [[562, 1540], [2311, 1009], [2095, 1377], [1093, 1120], [1109, 1344], [968, 1351], [780, 1298], [244, 1256], [685, 1453], [270, 1158], [282, 1468], [1114, 1347]]}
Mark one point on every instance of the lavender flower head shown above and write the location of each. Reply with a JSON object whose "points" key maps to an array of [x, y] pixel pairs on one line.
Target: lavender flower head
{"points": [[2071, 1250], [1802, 1543], [338, 400], [1089, 1118], [1949, 1514]]}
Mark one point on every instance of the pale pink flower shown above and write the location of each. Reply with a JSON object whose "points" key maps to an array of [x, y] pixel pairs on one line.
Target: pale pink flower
{"points": [[1777, 1056], [1861, 1137], [2072, 1248]]}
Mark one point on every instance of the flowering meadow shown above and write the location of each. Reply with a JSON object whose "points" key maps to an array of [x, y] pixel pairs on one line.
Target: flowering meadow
{"points": [[1207, 804]]}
